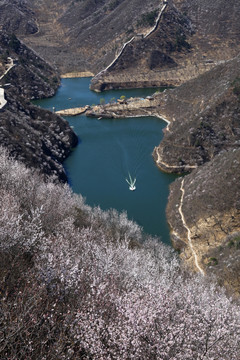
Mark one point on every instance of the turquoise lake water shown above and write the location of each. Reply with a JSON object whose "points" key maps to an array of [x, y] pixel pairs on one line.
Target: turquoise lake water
{"points": [[110, 149]]}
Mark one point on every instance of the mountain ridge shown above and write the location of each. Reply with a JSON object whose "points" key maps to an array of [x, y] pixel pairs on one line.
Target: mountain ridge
{"points": [[38, 137]]}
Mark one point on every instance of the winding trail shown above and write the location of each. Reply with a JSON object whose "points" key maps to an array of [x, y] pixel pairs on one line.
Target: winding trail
{"points": [[188, 230], [159, 161], [133, 38]]}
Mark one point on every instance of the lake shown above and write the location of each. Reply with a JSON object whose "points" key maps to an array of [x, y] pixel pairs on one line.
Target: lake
{"points": [[111, 149]]}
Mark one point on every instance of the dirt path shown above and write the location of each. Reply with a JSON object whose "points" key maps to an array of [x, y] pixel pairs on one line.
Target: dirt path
{"points": [[159, 161], [188, 230]]}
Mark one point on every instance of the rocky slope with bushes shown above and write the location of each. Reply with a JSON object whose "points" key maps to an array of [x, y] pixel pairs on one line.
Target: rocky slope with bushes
{"points": [[38, 137], [204, 116], [207, 202], [191, 38], [80, 36], [17, 16]]}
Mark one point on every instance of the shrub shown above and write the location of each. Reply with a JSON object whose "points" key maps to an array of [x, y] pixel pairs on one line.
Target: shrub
{"points": [[236, 87], [113, 4], [181, 41], [148, 19], [102, 101], [212, 261], [14, 43]]}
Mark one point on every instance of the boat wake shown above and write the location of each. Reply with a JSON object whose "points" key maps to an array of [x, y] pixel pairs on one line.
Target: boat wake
{"points": [[131, 182]]}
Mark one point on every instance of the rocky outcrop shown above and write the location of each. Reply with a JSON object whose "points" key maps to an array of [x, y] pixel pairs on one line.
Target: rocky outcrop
{"points": [[73, 111], [123, 109], [35, 136]]}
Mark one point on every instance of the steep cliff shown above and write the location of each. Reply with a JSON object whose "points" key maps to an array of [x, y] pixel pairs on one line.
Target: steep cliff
{"points": [[37, 137]]}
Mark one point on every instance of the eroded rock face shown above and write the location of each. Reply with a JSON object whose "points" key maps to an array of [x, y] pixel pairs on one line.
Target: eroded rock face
{"points": [[208, 202], [35, 136]]}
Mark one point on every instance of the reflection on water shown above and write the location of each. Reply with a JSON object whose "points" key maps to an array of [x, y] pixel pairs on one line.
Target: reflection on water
{"points": [[110, 150]]}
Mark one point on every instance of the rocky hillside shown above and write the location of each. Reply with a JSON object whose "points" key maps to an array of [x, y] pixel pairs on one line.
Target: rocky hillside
{"points": [[204, 116], [83, 35], [191, 38], [37, 137], [16, 16], [204, 214]]}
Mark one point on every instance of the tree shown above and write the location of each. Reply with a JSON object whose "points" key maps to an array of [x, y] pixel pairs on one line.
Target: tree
{"points": [[102, 101], [78, 282]]}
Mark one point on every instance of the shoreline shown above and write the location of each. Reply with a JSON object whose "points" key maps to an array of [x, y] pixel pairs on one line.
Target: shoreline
{"points": [[77, 74]]}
